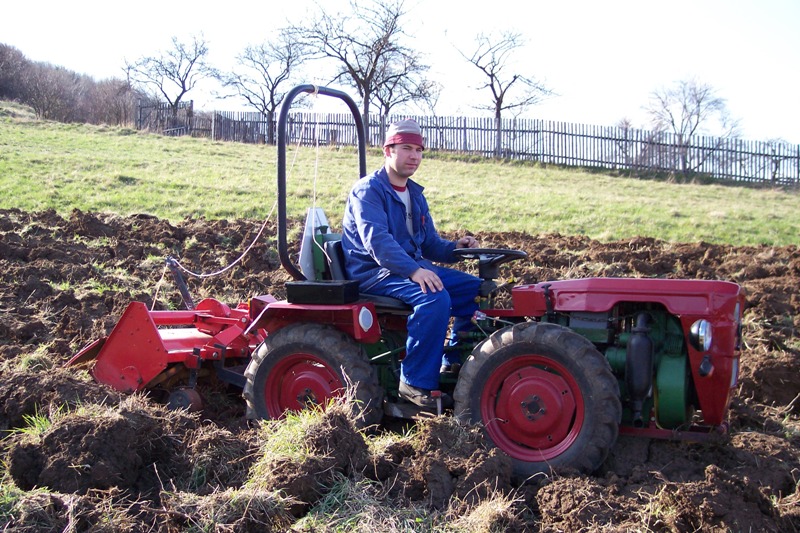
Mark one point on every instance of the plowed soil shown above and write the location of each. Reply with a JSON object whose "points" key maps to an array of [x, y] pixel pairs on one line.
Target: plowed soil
{"points": [[66, 281]]}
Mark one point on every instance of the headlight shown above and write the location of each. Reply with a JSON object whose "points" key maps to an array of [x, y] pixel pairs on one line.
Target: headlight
{"points": [[365, 319], [700, 335]]}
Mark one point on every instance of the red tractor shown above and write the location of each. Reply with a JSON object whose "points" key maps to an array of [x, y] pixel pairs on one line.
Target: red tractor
{"points": [[552, 378]]}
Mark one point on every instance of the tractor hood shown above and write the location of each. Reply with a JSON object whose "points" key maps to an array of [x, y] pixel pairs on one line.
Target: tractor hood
{"points": [[678, 296]]}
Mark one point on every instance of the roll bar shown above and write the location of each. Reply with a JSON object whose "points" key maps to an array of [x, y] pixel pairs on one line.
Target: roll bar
{"points": [[283, 250]]}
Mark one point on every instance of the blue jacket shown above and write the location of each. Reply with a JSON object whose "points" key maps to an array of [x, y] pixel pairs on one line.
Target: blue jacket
{"points": [[375, 237]]}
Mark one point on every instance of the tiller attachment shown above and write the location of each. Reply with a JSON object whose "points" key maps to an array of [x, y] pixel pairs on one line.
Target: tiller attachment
{"points": [[145, 345]]}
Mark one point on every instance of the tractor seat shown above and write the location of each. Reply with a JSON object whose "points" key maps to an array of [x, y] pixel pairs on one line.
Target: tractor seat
{"points": [[335, 257]]}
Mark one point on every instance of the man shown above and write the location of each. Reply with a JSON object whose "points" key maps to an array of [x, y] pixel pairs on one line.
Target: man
{"points": [[389, 242]]}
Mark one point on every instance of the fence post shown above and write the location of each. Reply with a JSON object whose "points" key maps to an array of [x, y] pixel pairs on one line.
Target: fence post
{"points": [[270, 127], [797, 168], [498, 140]]}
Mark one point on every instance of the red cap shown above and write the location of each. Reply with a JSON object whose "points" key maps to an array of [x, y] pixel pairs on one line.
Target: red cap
{"points": [[404, 132]]}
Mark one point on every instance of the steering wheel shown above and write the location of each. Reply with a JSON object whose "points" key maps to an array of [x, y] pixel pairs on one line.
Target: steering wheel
{"points": [[489, 258]]}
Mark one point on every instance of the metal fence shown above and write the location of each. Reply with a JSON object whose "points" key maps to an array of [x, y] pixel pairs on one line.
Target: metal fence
{"points": [[774, 163]]}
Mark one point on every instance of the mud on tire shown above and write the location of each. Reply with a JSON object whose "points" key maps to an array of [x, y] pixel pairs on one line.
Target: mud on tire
{"points": [[307, 364], [544, 395]]}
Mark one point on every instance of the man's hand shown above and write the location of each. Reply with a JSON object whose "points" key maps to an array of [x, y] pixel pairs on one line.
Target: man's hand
{"points": [[427, 279], [467, 242]]}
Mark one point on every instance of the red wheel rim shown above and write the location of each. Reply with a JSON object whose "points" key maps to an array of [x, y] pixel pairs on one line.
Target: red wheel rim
{"points": [[533, 408], [299, 381]]}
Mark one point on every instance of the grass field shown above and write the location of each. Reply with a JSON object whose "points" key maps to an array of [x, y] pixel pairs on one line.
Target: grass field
{"points": [[47, 165]]}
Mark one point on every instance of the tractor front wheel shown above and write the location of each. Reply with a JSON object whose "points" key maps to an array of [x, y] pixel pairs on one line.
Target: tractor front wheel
{"points": [[544, 395], [305, 365]]}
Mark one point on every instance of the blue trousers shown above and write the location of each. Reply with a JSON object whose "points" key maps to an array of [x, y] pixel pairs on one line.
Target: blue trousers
{"points": [[427, 324]]}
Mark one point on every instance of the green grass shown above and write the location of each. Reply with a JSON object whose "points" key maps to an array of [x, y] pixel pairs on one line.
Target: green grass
{"points": [[362, 505], [46, 165]]}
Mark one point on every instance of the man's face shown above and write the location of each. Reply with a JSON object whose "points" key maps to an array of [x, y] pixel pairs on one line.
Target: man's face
{"points": [[403, 159]]}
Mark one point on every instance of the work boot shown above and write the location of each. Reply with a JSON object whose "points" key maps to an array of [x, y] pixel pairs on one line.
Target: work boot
{"points": [[422, 397], [450, 370]]}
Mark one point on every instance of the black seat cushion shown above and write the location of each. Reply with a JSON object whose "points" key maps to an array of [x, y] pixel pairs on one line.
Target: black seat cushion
{"points": [[334, 255], [335, 258]]}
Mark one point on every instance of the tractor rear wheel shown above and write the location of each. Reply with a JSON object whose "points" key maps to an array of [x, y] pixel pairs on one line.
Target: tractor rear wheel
{"points": [[544, 395], [305, 365]]}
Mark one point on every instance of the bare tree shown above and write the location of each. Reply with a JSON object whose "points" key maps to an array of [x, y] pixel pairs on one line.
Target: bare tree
{"points": [[112, 101], [54, 93], [403, 82], [367, 45], [174, 72], [12, 65], [689, 109], [510, 91], [430, 101], [261, 73]]}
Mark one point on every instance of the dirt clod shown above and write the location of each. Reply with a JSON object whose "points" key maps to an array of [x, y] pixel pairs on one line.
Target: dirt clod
{"points": [[64, 281]]}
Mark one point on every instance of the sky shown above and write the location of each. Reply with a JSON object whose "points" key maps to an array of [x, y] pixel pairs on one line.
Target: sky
{"points": [[601, 59]]}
